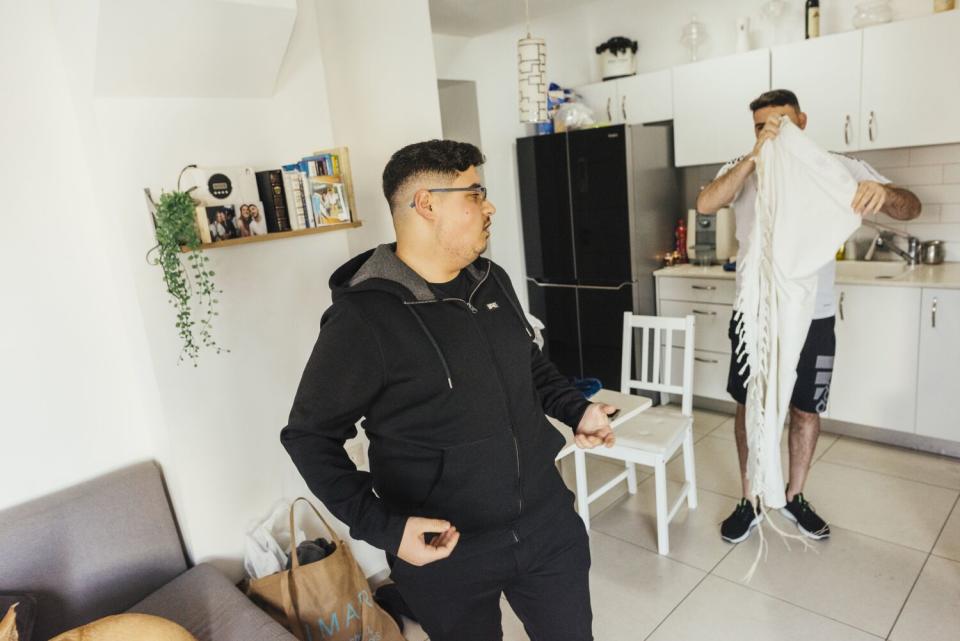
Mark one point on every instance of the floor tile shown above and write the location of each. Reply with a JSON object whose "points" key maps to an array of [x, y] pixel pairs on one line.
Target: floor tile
{"points": [[599, 471], [931, 612], [716, 465], [632, 589], [896, 461], [850, 577], [824, 442], [948, 545], [412, 631], [720, 610], [694, 534], [512, 626], [705, 421], [889, 508]]}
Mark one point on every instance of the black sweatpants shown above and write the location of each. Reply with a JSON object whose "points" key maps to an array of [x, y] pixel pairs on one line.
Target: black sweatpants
{"points": [[544, 577]]}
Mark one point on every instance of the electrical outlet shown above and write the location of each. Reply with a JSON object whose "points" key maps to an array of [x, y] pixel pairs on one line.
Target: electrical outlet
{"points": [[357, 451]]}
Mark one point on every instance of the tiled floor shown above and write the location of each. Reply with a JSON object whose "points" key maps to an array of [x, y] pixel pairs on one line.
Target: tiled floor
{"points": [[891, 569]]}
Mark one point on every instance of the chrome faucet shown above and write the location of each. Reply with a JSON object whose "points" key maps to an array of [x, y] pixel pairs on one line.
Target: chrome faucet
{"points": [[884, 240]]}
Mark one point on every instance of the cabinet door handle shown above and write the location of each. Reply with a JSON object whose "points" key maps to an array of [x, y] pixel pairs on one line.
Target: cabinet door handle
{"points": [[708, 288], [700, 311], [842, 294], [933, 313], [610, 118], [873, 119], [705, 360], [623, 107], [846, 130]]}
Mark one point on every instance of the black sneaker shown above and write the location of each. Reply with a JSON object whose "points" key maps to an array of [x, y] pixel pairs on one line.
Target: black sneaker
{"points": [[801, 513], [738, 525]]}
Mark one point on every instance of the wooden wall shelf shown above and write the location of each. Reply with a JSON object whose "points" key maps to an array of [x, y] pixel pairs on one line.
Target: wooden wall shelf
{"points": [[276, 235]]}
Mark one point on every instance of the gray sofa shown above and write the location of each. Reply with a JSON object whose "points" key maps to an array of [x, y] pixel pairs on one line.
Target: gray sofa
{"points": [[111, 545]]}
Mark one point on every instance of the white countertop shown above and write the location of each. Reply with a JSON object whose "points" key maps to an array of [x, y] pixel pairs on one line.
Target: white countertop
{"points": [[944, 275]]}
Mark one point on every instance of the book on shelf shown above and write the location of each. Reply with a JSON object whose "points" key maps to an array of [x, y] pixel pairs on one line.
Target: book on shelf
{"points": [[329, 200], [296, 201], [270, 186]]}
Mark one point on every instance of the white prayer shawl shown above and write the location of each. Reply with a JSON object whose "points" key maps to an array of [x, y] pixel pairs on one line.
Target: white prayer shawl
{"points": [[804, 214]]}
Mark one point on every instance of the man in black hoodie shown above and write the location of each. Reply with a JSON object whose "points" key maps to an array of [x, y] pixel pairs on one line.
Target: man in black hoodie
{"points": [[427, 343]]}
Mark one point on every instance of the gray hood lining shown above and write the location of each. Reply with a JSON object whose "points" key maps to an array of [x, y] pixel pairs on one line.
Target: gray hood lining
{"points": [[384, 264]]}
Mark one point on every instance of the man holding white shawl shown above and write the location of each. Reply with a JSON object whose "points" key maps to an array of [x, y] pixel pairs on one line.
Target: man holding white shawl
{"points": [[737, 185]]}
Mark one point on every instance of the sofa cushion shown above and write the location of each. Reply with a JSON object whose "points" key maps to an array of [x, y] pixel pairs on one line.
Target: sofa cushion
{"points": [[205, 602], [93, 549]]}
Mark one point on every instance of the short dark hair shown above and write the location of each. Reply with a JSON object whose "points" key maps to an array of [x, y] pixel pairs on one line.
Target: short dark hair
{"points": [[447, 157], [775, 98]]}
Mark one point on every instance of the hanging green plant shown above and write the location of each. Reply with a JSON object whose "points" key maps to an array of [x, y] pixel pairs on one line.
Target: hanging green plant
{"points": [[176, 228]]}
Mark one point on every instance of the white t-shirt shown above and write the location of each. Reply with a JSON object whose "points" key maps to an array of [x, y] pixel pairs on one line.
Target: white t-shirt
{"points": [[743, 207]]}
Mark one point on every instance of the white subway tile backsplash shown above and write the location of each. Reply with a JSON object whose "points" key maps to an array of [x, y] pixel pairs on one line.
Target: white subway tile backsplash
{"points": [[884, 158], [913, 176], [935, 154], [938, 194], [950, 214], [951, 173], [948, 233]]}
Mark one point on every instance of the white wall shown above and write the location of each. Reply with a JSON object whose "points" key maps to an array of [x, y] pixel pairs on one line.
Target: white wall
{"points": [[383, 94], [458, 111], [77, 394], [90, 379]]}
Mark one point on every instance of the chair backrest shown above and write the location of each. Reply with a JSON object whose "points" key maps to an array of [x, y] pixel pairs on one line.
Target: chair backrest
{"points": [[655, 365]]}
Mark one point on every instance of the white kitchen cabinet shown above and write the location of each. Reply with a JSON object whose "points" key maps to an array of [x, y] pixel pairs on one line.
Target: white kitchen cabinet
{"points": [[825, 75], [938, 385], [875, 368], [645, 97], [910, 79], [710, 301], [710, 371], [712, 119], [603, 98]]}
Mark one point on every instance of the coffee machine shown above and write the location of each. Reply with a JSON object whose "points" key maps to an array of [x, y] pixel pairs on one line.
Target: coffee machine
{"points": [[711, 238]]}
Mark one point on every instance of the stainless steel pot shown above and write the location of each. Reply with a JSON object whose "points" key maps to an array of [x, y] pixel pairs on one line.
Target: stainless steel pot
{"points": [[931, 252]]}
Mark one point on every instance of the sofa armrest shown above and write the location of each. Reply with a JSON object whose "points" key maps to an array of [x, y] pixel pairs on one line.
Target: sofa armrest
{"points": [[207, 604]]}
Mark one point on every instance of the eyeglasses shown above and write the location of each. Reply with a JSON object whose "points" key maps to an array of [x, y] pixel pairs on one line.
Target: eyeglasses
{"points": [[482, 191]]}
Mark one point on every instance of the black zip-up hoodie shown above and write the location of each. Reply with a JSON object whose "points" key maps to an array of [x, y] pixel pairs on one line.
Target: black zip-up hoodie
{"points": [[453, 393]]}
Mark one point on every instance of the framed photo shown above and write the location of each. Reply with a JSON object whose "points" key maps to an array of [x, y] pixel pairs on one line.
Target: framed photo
{"points": [[250, 219], [329, 202], [222, 222]]}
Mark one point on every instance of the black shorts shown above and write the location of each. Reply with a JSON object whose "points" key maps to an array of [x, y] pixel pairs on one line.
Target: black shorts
{"points": [[814, 369]]}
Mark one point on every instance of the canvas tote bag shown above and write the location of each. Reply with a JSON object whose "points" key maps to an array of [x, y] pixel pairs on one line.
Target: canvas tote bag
{"points": [[327, 600]]}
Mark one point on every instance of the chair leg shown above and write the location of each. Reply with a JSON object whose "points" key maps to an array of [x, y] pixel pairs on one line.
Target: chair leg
{"points": [[583, 505], [663, 525], [631, 477], [689, 471]]}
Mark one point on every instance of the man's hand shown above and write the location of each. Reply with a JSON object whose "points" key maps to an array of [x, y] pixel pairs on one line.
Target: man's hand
{"points": [[870, 197], [594, 428], [771, 128], [414, 548]]}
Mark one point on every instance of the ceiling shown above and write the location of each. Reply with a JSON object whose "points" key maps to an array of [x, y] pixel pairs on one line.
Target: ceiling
{"points": [[475, 17]]}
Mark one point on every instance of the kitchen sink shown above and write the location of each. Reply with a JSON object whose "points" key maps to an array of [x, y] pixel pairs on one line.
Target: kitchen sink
{"points": [[872, 270]]}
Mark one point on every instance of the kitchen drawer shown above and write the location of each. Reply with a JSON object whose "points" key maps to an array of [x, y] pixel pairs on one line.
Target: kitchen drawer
{"points": [[698, 290], [712, 322], [709, 372]]}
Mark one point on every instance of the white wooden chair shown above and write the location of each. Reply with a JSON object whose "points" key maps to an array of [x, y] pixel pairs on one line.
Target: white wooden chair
{"points": [[653, 436]]}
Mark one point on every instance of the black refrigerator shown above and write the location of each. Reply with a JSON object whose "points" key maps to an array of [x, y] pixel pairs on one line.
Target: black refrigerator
{"points": [[598, 208]]}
